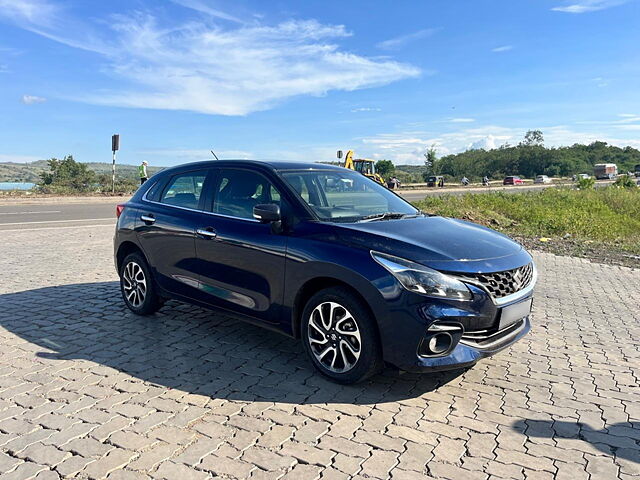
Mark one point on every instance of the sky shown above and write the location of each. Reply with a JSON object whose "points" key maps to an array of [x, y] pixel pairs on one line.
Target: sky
{"points": [[298, 80]]}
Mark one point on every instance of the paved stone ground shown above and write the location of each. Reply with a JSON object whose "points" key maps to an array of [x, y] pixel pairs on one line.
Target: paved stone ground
{"points": [[88, 390]]}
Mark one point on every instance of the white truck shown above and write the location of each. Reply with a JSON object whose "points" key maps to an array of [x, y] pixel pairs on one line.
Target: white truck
{"points": [[605, 171]]}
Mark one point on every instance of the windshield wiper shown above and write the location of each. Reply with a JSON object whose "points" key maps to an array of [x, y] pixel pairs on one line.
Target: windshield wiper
{"points": [[387, 216]]}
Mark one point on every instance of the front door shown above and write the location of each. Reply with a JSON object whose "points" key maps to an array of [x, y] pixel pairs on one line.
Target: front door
{"points": [[241, 260]]}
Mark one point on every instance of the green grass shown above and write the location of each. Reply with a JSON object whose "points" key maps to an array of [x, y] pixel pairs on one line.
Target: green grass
{"points": [[607, 215]]}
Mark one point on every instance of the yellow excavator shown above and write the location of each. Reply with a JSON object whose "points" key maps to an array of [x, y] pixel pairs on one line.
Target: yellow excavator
{"points": [[363, 165]]}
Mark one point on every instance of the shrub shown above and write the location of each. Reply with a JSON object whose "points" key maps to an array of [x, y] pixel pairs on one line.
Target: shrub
{"points": [[624, 181], [586, 183], [67, 175]]}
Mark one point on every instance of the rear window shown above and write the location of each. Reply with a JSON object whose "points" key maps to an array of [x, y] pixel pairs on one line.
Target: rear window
{"points": [[184, 190]]}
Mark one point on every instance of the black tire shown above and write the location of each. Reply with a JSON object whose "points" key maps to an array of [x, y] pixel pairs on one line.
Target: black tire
{"points": [[369, 361], [151, 302]]}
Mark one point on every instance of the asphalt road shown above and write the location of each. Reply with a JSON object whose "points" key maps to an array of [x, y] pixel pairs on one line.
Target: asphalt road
{"points": [[52, 215], [94, 212]]}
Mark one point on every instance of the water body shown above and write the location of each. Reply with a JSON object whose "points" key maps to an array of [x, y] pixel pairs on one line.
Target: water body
{"points": [[16, 185]]}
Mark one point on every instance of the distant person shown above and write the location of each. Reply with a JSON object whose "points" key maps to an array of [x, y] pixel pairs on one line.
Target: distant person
{"points": [[441, 182], [465, 181], [393, 183], [142, 170], [485, 181]]}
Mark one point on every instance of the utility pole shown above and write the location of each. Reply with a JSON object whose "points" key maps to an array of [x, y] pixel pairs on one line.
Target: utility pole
{"points": [[115, 146]]}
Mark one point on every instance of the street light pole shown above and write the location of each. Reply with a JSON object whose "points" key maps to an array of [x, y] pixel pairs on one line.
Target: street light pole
{"points": [[115, 146]]}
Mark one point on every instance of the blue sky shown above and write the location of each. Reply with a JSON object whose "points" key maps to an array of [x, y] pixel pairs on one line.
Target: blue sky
{"points": [[300, 80]]}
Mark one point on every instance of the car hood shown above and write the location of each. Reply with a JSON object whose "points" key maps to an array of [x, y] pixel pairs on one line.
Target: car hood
{"points": [[444, 243]]}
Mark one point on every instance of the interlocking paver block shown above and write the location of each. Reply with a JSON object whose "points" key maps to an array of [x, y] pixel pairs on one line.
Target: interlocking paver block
{"points": [[114, 460], [44, 454], [266, 459], [226, 466], [172, 471], [189, 392]]}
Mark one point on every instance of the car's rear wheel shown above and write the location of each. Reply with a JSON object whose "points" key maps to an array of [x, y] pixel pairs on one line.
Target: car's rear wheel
{"points": [[137, 286], [340, 336]]}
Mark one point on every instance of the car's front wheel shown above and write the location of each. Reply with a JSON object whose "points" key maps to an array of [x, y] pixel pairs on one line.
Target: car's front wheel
{"points": [[340, 336], [137, 287]]}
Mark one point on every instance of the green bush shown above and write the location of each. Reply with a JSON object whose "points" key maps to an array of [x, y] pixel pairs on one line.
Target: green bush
{"points": [[67, 175], [624, 181], [586, 183]]}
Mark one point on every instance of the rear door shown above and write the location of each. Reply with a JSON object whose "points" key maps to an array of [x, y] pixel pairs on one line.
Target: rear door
{"points": [[242, 260], [166, 230]]}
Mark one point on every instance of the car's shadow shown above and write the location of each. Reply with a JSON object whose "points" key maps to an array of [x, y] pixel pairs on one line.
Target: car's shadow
{"points": [[187, 348], [621, 439]]}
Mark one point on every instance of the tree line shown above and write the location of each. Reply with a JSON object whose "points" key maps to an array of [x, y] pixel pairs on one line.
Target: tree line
{"points": [[67, 176], [527, 159]]}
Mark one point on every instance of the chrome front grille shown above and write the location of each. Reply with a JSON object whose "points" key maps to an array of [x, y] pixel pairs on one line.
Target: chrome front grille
{"points": [[502, 284]]}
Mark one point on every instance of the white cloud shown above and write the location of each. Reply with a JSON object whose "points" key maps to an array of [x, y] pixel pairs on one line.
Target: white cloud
{"points": [[584, 6], [5, 157], [35, 12], [462, 120], [365, 109], [4, 68], [628, 118], [397, 42], [503, 48], [204, 67], [600, 81], [32, 99], [202, 7]]}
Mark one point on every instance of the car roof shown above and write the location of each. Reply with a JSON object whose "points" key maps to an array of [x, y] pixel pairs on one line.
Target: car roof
{"points": [[262, 164]]}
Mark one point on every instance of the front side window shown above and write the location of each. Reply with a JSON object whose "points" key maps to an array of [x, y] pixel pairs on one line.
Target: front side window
{"points": [[238, 191], [184, 190], [346, 196]]}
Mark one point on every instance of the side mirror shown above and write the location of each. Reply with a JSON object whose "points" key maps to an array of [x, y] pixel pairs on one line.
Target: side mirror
{"points": [[267, 212]]}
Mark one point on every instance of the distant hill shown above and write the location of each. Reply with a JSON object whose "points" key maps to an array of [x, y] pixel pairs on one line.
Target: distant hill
{"points": [[30, 172]]}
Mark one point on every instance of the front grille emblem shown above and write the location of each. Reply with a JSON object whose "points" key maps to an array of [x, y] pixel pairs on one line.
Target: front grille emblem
{"points": [[507, 282]]}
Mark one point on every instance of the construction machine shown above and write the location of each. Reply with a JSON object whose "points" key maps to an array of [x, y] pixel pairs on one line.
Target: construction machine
{"points": [[363, 165]]}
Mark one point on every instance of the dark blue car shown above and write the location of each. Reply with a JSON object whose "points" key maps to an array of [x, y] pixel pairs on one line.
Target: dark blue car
{"points": [[324, 254]]}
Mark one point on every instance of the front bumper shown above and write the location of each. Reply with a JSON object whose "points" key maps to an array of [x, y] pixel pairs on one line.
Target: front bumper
{"points": [[414, 318], [467, 353]]}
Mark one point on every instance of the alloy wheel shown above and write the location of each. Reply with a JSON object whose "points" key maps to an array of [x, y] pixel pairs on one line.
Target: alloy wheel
{"points": [[134, 283], [334, 337]]}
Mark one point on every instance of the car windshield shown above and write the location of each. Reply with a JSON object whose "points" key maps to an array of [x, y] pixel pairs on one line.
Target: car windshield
{"points": [[347, 196]]}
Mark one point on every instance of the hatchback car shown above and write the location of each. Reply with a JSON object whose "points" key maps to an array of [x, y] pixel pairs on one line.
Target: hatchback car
{"points": [[542, 179], [513, 180], [324, 254]]}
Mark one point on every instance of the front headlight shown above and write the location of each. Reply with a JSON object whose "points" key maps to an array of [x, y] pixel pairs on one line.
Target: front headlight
{"points": [[420, 279]]}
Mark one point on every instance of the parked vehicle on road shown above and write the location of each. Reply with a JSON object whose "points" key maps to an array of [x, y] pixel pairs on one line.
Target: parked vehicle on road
{"points": [[513, 180], [359, 275], [542, 179], [636, 170], [605, 171], [435, 181], [580, 176]]}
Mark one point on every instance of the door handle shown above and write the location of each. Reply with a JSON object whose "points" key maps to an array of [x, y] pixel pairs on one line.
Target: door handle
{"points": [[147, 218], [207, 232]]}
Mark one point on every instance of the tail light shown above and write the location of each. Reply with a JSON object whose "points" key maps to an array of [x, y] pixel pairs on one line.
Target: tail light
{"points": [[119, 210]]}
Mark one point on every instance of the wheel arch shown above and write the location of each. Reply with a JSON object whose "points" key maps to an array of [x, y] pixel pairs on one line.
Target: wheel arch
{"points": [[127, 247], [314, 285]]}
